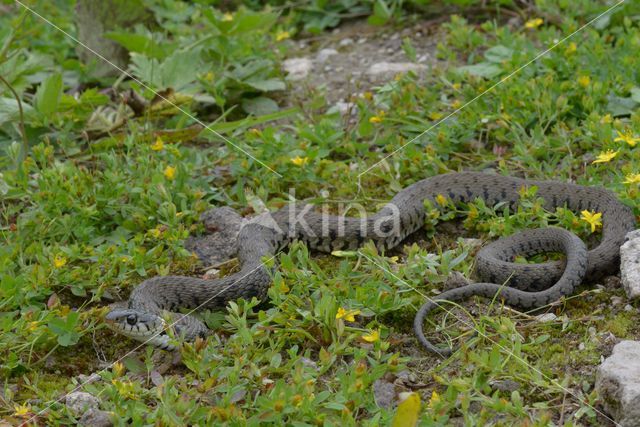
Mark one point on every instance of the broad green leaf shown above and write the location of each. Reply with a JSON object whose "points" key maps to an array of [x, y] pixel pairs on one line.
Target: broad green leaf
{"points": [[48, 95], [498, 54], [619, 106], [138, 43], [259, 106], [267, 85], [635, 94], [9, 112], [483, 69]]}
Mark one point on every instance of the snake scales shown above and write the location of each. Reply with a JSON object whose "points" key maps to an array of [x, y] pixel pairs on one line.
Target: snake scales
{"points": [[530, 285]]}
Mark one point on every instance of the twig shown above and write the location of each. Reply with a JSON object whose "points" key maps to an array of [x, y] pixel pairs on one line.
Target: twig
{"points": [[23, 133]]}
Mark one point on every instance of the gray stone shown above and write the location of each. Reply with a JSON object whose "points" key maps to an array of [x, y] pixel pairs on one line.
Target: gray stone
{"points": [[384, 393], [325, 54], [88, 379], [344, 108], [79, 401], [389, 69], [618, 383], [630, 264], [297, 68], [546, 317], [96, 418]]}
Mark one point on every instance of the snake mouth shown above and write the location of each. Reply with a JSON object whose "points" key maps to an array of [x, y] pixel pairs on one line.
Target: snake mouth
{"points": [[145, 327]]}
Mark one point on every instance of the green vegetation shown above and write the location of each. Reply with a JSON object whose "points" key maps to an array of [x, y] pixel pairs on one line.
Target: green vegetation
{"points": [[99, 197]]}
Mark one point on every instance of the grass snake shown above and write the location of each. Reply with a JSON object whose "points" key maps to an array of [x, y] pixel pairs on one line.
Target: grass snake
{"points": [[155, 301]]}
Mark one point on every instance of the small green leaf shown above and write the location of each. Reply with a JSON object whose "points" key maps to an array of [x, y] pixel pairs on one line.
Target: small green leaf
{"points": [[381, 13]]}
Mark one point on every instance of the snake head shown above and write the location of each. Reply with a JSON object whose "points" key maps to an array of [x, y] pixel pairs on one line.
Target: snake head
{"points": [[138, 325]]}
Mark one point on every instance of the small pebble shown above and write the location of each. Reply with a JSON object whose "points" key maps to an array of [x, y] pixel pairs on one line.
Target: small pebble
{"points": [[345, 42], [324, 54], [546, 317], [628, 307]]}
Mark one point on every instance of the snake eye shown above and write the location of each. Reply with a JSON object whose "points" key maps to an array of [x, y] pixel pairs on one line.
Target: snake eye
{"points": [[132, 319]]}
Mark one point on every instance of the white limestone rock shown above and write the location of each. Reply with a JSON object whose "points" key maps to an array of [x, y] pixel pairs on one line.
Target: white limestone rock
{"points": [[297, 68], [618, 383], [630, 264], [390, 69]]}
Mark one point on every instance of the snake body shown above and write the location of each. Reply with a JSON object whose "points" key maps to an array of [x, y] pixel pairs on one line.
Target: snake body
{"points": [[530, 285]]}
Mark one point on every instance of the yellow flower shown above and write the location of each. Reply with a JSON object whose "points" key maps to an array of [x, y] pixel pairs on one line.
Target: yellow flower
{"points": [[300, 161], [209, 76], [435, 115], [282, 35], [584, 81], [378, 118], [441, 200], [59, 261], [605, 156], [118, 369], [155, 232], [125, 389], [456, 86], [170, 172], [534, 23], [255, 131], [408, 411], [456, 104], [571, 48], [368, 96], [606, 119], [348, 315], [632, 178], [393, 259], [227, 17], [22, 411], [627, 136], [593, 218], [284, 288], [435, 398], [373, 336], [158, 145], [33, 326]]}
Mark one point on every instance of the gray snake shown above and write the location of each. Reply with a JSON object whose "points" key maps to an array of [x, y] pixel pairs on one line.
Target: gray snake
{"points": [[529, 285]]}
